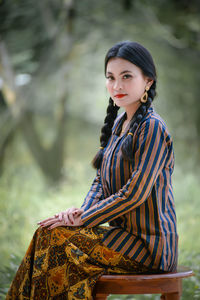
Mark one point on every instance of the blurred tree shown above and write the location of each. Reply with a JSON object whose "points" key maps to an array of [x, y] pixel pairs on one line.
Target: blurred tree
{"points": [[6, 132], [41, 40], [49, 25], [127, 4], [182, 19]]}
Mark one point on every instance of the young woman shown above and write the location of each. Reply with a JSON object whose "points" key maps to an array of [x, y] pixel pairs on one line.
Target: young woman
{"points": [[132, 191]]}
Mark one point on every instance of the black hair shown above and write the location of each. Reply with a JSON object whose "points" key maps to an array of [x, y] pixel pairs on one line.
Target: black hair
{"points": [[139, 56]]}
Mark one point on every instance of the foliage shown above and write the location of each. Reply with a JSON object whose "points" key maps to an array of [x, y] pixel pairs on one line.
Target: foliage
{"points": [[64, 46], [7, 273]]}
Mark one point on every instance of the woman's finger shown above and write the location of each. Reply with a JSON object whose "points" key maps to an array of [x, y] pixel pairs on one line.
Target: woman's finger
{"points": [[78, 212], [66, 219], [46, 220], [71, 218], [50, 222], [60, 216], [71, 210], [74, 214], [70, 213], [57, 224]]}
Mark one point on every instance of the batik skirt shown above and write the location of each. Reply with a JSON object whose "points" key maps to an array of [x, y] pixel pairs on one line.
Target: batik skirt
{"points": [[65, 263]]}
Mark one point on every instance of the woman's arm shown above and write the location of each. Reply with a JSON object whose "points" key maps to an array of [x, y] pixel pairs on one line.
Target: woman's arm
{"points": [[95, 193], [152, 150]]}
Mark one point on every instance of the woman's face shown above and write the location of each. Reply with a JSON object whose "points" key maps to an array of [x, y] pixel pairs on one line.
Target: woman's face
{"points": [[125, 82]]}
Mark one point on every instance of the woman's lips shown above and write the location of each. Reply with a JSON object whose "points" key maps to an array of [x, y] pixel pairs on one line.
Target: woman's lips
{"points": [[120, 95]]}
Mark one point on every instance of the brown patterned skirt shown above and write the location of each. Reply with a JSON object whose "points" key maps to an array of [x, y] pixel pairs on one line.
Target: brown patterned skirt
{"points": [[65, 263]]}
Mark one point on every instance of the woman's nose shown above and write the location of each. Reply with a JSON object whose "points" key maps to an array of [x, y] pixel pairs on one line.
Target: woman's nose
{"points": [[117, 85]]}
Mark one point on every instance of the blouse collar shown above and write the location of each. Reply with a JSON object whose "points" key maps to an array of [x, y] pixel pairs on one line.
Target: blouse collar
{"points": [[122, 117]]}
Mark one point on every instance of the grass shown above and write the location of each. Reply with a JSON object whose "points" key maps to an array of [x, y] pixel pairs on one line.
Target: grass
{"points": [[26, 198]]}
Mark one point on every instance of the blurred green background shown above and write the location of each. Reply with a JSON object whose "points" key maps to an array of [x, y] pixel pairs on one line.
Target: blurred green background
{"points": [[53, 101]]}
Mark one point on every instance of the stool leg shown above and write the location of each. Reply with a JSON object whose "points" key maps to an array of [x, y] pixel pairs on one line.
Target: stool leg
{"points": [[171, 296]]}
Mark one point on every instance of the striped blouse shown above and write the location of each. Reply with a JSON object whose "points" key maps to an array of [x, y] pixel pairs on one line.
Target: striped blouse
{"points": [[136, 198]]}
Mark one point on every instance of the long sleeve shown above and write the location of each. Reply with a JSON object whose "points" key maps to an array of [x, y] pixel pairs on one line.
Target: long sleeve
{"points": [[151, 150], [95, 193]]}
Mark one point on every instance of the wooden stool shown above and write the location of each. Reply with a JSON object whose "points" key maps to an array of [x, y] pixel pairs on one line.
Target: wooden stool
{"points": [[167, 284]]}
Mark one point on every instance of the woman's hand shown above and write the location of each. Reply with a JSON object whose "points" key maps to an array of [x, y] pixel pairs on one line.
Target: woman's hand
{"points": [[70, 217]]}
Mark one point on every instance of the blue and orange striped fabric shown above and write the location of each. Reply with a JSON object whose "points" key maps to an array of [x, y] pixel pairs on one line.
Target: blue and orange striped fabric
{"points": [[136, 198]]}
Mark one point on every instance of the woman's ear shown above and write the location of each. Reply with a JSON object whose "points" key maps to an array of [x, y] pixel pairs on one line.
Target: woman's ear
{"points": [[149, 82]]}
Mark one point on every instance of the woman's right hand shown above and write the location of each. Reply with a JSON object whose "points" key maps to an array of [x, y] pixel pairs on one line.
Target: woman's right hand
{"points": [[67, 218], [69, 215]]}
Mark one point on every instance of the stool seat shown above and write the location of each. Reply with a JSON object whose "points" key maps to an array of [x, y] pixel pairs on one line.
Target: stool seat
{"points": [[169, 285]]}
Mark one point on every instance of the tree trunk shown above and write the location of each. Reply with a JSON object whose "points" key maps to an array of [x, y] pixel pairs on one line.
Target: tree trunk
{"points": [[49, 160]]}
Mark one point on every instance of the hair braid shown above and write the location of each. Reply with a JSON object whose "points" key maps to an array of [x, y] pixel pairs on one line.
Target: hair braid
{"points": [[127, 145], [106, 131]]}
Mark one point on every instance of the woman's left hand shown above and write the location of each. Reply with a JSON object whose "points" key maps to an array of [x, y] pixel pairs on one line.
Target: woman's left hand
{"points": [[60, 220]]}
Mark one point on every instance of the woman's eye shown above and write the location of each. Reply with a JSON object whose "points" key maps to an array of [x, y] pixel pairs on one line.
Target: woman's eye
{"points": [[110, 77], [127, 76]]}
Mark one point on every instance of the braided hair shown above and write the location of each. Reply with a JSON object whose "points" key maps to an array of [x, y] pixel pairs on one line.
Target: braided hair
{"points": [[139, 56], [106, 131]]}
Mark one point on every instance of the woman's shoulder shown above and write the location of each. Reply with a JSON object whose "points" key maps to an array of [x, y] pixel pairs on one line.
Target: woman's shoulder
{"points": [[153, 120], [153, 117]]}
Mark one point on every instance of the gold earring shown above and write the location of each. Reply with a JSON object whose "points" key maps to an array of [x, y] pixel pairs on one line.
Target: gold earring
{"points": [[145, 95]]}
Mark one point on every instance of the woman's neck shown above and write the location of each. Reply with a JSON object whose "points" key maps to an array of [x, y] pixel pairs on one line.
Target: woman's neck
{"points": [[131, 110]]}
